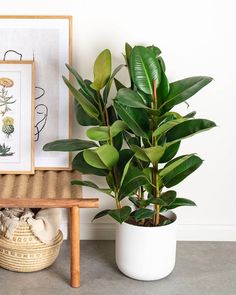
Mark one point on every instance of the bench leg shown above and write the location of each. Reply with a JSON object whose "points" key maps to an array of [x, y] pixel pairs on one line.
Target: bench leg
{"points": [[75, 246]]}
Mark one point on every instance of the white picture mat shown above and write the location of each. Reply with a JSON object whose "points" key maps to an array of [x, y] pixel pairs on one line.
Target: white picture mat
{"points": [[22, 91], [47, 41]]}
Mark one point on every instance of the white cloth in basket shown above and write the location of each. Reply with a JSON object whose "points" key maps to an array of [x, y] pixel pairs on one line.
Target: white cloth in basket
{"points": [[44, 225]]}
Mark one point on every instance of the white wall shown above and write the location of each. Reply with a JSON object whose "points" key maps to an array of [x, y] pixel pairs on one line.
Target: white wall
{"points": [[196, 38]]}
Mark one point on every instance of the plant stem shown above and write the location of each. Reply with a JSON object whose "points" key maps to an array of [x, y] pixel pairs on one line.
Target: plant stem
{"points": [[141, 193], [118, 203], [156, 192], [100, 106]]}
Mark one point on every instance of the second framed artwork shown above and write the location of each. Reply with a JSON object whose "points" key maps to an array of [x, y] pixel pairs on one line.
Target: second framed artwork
{"points": [[17, 117], [46, 40]]}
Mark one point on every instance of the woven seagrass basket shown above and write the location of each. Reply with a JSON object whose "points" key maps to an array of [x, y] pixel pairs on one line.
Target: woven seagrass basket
{"points": [[25, 252]]}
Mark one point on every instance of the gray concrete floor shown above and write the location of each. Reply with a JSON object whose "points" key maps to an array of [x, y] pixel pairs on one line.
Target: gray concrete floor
{"points": [[202, 268]]}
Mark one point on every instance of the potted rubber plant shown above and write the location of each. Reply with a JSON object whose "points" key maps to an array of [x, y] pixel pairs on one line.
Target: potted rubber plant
{"points": [[146, 242], [142, 170]]}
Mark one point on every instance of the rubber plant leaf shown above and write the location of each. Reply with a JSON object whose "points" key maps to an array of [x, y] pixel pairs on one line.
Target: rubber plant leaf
{"points": [[173, 174], [182, 90], [91, 185], [145, 69], [88, 107], [102, 70], [120, 215], [130, 98], [69, 145], [188, 128], [82, 166], [136, 119]]}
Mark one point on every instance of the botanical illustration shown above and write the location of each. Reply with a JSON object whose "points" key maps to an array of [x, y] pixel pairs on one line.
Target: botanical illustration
{"points": [[7, 128], [5, 99], [16, 80], [5, 151]]}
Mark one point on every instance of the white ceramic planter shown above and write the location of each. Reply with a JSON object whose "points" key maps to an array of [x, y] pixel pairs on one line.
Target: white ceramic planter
{"points": [[146, 253]]}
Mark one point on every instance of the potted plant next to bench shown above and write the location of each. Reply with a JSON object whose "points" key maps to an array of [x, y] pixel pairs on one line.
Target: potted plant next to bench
{"points": [[141, 173]]}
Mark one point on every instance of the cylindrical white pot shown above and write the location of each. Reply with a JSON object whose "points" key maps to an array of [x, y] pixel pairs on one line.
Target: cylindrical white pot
{"points": [[146, 253]]}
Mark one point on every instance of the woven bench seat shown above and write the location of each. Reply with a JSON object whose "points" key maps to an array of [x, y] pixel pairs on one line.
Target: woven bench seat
{"points": [[44, 189]]}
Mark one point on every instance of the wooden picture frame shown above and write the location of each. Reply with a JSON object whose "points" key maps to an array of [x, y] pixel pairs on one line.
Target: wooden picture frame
{"points": [[48, 41], [17, 103]]}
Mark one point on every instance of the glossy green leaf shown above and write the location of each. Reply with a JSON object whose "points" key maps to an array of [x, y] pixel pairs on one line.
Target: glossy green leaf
{"points": [[69, 145], [91, 185], [168, 197], [135, 201], [88, 107], [149, 186], [102, 70], [173, 164], [190, 115], [118, 84], [112, 114], [143, 213], [170, 151], [163, 89], [130, 98], [167, 126], [147, 98], [143, 203], [104, 157], [92, 158], [168, 116], [84, 87], [178, 202], [178, 170], [101, 214], [125, 155], [182, 90], [140, 153], [155, 153], [103, 133], [157, 201], [145, 69], [100, 133], [83, 118], [118, 141], [125, 170], [134, 178], [120, 215], [128, 50], [82, 166], [162, 63], [108, 154], [110, 181], [117, 127], [136, 119], [108, 85], [188, 128], [152, 154]]}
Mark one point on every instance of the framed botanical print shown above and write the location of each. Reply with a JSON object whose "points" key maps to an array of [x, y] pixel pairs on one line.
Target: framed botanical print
{"points": [[17, 117], [46, 40]]}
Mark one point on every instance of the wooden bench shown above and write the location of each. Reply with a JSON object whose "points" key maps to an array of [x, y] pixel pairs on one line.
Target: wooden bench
{"points": [[49, 189]]}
